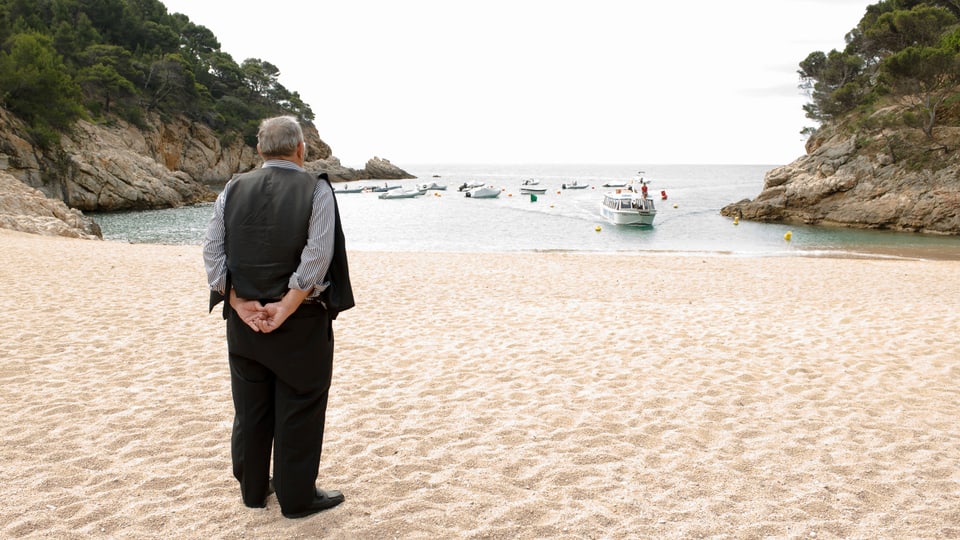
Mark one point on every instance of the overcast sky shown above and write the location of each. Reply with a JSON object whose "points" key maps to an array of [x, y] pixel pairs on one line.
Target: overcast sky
{"points": [[537, 81]]}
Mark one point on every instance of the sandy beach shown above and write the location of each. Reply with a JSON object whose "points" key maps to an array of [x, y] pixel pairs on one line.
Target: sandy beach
{"points": [[509, 396]]}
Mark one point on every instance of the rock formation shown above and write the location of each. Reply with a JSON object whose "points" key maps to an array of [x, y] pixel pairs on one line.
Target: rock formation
{"points": [[380, 168], [376, 168], [118, 166], [879, 179], [25, 209]]}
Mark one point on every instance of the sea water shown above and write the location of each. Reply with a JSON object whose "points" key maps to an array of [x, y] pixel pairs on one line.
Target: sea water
{"points": [[687, 221]]}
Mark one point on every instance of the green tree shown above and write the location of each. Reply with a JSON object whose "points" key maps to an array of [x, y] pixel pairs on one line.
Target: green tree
{"points": [[170, 83], [896, 30], [225, 76], [260, 77], [198, 41], [124, 57], [105, 73], [834, 82], [157, 39], [102, 82], [897, 48], [35, 86], [927, 77], [72, 37]]}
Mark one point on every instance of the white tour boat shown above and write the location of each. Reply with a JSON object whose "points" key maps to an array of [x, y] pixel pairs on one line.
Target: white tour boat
{"points": [[625, 207]]}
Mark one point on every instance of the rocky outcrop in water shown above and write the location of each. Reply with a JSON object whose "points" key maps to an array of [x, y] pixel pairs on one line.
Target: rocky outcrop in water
{"points": [[875, 180], [376, 169]]}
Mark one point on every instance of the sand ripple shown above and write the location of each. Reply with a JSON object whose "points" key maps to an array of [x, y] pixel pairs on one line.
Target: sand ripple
{"points": [[498, 396]]}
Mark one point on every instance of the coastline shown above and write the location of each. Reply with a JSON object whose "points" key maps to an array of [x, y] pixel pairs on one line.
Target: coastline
{"points": [[479, 395]]}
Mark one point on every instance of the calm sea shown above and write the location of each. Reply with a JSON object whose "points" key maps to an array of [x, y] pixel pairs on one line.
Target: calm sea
{"points": [[689, 221]]}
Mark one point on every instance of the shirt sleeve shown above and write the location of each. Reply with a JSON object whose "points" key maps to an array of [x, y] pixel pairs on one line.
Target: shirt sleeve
{"points": [[214, 256], [317, 254]]}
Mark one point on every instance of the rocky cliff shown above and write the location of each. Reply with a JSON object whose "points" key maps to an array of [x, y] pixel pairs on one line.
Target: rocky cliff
{"points": [[25, 209], [117, 166], [866, 178]]}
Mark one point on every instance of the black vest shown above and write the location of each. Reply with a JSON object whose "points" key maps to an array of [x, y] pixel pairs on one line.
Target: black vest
{"points": [[338, 296], [267, 219]]}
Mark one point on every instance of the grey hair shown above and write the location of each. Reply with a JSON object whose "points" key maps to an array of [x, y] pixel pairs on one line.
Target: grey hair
{"points": [[279, 136]]}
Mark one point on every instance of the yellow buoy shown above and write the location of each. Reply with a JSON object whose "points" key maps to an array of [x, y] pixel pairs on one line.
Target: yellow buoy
{"points": [[736, 221], [597, 228], [674, 205], [787, 236]]}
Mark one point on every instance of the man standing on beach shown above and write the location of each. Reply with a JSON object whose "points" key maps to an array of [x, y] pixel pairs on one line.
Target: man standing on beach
{"points": [[274, 254]]}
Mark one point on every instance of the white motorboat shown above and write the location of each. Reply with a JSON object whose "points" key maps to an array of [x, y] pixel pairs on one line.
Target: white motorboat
{"points": [[483, 192], [530, 182], [351, 189], [625, 207], [400, 194], [574, 185], [615, 184], [427, 186], [526, 190], [381, 189], [467, 186]]}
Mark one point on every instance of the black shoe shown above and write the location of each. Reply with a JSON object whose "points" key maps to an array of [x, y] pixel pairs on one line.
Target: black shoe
{"points": [[321, 501]]}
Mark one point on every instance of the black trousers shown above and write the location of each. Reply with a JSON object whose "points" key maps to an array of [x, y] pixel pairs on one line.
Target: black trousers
{"points": [[280, 383]]}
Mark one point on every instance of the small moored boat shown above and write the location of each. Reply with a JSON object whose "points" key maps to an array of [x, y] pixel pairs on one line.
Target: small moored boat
{"points": [[426, 186], [483, 192], [380, 189], [400, 194], [467, 186], [574, 185]]}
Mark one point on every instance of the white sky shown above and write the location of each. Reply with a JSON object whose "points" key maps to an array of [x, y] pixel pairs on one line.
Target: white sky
{"points": [[541, 81]]}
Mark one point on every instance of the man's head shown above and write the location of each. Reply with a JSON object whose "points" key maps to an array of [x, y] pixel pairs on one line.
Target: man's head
{"points": [[281, 137]]}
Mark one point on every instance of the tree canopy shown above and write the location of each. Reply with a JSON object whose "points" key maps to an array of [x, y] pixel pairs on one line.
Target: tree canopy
{"points": [[904, 49], [61, 60]]}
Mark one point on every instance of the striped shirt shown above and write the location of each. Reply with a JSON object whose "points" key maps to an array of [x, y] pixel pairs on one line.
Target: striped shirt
{"points": [[316, 255]]}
